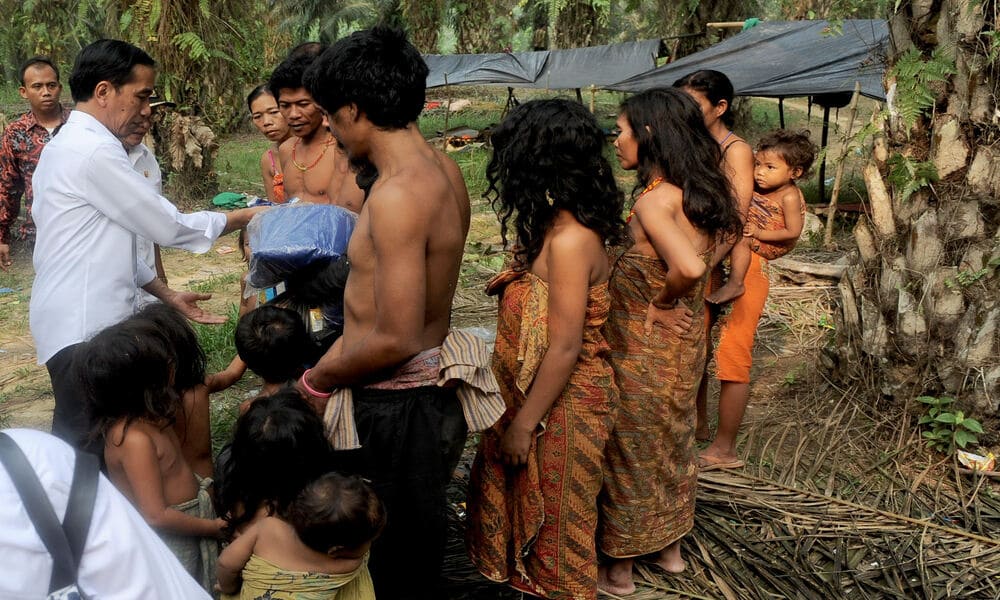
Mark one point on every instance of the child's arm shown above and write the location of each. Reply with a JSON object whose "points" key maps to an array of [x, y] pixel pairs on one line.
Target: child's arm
{"points": [[142, 470], [234, 558], [791, 205], [568, 288], [222, 380]]}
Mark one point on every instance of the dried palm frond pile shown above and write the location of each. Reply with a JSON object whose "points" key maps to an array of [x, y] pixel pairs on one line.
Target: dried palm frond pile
{"points": [[758, 539]]}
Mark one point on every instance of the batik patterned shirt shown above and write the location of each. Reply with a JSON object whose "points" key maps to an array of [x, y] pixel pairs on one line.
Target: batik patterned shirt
{"points": [[20, 146]]}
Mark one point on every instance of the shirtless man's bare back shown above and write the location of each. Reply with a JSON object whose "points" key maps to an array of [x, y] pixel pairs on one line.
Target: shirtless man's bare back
{"points": [[315, 170], [405, 255]]}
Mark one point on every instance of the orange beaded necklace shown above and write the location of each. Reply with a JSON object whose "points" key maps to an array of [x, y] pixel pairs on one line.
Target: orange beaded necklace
{"points": [[652, 184]]}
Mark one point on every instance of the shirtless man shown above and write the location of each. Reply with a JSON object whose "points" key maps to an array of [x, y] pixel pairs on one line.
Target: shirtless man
{"points": [[315, 169], [405, 256]]}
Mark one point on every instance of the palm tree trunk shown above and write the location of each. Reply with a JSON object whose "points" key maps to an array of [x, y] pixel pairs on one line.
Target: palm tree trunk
{"points": [[921, 309]]}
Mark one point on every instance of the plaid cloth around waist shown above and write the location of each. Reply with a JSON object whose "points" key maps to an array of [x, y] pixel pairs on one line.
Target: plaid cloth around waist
{"points": [[462, 361]]}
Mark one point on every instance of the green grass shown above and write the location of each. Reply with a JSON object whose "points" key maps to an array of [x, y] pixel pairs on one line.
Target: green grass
{"points": [[238, 164], [219, 344], [12, 304], [214, 283]]}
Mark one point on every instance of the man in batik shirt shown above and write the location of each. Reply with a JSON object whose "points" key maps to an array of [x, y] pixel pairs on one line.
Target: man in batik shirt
{"points": [[22, 143]]}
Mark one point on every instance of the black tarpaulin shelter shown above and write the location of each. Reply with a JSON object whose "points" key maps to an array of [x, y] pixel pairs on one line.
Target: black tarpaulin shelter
{"points": [[787, 58], [600, 66], [516, 69], [572, 68]]}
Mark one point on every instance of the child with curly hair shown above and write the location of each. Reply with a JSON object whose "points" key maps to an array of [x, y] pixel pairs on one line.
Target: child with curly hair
{"points": [[537, 473]]}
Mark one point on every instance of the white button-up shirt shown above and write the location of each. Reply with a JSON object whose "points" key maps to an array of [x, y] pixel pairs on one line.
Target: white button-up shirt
{"points": [[89, 207], [122, 559], [144, 163]]}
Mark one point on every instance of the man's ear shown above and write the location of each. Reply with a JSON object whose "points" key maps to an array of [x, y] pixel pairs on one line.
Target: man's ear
{"points": [[102, 91], [23, 91], [354, 112]]}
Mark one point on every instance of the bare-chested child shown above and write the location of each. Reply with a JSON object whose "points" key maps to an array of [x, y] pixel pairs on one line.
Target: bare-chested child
{"points": [[128, 372], [405, 256], [315, 169], [195, 386], [317, 548]]}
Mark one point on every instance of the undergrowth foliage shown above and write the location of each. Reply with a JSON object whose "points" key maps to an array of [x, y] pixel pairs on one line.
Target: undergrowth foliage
{"points": [[914, 73]]}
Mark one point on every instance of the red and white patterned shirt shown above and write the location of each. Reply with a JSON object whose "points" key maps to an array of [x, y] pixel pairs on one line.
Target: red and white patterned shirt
{"points": [[20, 146]]}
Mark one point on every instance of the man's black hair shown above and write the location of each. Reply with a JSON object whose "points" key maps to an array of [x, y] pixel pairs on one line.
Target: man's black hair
{"points": [[35, 61], [376, 69], [288, 74], [105, 60]]}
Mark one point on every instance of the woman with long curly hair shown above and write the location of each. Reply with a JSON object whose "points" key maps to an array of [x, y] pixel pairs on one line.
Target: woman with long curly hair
{"points": [[683, 207], [534, 484]]}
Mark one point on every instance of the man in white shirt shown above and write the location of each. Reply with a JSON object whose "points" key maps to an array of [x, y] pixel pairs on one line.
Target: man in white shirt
{"points": [[144, 163], [90, 208], [122, 559]]}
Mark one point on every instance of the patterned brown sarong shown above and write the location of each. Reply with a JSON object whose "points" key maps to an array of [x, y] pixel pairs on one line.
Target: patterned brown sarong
{"points": [[534, 526], [650, 469]]}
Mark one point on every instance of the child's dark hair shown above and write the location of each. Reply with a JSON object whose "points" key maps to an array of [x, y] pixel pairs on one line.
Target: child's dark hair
{"points": [[274, 343], [716, 87], [794, 147], [672, 138], [337, 511], [279, 446], [126, 372], [378, 70], [548, 155], [189, 357]]}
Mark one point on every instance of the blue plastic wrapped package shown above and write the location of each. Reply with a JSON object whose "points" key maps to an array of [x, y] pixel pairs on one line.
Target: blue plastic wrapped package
{"points": [[290, 238]]}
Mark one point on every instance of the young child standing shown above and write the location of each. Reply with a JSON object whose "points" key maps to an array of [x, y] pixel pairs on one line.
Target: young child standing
{"points": [[318, 548], [537, 473], [192, 383], [127, 370], [773, 225]]}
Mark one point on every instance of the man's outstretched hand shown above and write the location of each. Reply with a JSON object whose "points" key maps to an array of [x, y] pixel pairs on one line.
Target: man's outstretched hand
{"points": [[187, 304]]}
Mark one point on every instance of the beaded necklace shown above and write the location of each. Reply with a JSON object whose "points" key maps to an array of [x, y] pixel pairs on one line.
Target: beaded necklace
{"points": [[652, 184], [305, 168]]}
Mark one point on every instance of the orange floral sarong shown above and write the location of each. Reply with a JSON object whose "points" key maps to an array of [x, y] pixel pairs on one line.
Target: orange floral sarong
{"points": [[534, 526], [650, 469]]}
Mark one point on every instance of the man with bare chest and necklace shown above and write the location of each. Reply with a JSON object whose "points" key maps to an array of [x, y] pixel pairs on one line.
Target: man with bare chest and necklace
{"points": [[315, 169]]}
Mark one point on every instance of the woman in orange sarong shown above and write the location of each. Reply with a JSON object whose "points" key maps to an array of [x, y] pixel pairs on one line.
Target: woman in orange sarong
{"points": [[686, 204], [533, 491]]}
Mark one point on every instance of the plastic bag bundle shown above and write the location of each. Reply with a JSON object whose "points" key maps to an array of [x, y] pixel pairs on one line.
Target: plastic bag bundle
{"points": [[288, 239]]}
